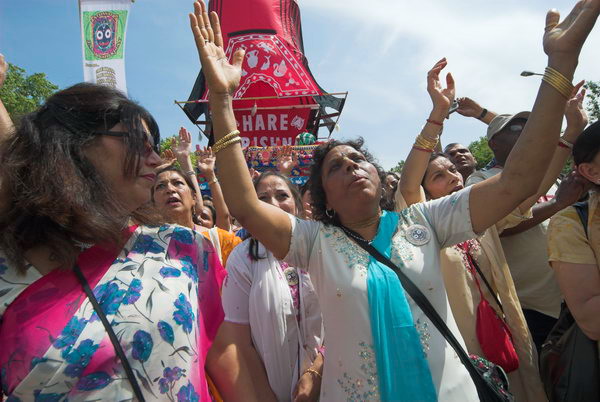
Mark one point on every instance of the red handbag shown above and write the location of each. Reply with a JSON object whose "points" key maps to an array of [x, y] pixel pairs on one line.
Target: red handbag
{"points": [[492, 332]]}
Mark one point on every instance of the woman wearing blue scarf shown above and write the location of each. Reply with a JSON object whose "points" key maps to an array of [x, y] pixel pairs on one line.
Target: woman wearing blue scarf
{"points": [[380, 345]]}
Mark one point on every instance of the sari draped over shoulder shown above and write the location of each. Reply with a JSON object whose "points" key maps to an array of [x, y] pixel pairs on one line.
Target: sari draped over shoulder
{"points": [[161, 294]]}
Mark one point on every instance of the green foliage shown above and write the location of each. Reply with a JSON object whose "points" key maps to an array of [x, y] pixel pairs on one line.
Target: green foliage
{"points": [[593, 100], [170, 143], [22, 94], [481, 151], [398, 167]]}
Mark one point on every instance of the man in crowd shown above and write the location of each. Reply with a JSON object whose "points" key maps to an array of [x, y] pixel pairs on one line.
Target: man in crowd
{"points": [[525, 245], [462, 158]]}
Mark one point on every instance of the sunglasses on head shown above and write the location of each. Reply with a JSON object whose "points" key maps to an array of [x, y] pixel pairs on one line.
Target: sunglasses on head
{"points": [[149, 146]]}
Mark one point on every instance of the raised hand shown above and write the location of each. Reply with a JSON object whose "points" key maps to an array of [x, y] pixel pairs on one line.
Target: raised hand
{"points": [[571, 189], [205, 161], [468, 107], [3, 69], [167, 156], [441, 97], [183, 147], [286, 160], [222, 77], [575, 113], [567, 37]]}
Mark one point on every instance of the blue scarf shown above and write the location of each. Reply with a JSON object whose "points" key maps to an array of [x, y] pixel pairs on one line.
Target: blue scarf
{"points": [[402, 367]]}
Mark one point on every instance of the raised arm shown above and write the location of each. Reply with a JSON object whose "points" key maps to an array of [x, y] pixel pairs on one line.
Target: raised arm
{"points": [[577, 120], [286, 160], [469, 108], [206, 165], [182, 151], [417, 161], [524, 169], [270, 225]]}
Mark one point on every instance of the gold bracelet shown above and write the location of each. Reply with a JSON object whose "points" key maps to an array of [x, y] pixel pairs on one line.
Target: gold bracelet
{"points": [[424, 142], [213, 181], [559, 82], [229, 136], [313, 371], [224, 145]]}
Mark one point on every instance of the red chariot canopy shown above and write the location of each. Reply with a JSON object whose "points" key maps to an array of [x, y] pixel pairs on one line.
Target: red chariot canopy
{"points": [[278, 97]]}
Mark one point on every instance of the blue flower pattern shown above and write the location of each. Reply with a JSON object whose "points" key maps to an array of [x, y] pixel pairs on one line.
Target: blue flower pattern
{"points": [[79, 358], [110, 297], [184, 315], [169, 272], [117, 293], [70, 333], [189, 268], [187, 393], [134, 292]]}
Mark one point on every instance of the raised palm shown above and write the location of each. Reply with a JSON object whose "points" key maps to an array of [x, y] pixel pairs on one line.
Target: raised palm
{"points": [[574, 111], [205, 159], [286, 160], [184, 143], [221, 76], [441, 97], [568, 36]]}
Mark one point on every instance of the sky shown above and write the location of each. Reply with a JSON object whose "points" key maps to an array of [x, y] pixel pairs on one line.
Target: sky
{"points": [[377, 50]]}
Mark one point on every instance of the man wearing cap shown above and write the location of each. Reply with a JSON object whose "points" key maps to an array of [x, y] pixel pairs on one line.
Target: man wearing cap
{"points": [[525, 246]]}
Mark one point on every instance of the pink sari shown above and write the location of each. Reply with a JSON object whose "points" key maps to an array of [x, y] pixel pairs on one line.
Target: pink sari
{"points": [[161, 295]]}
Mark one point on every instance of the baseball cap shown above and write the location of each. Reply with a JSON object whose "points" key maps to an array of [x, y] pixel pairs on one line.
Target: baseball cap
{"points": [[503, 120]]}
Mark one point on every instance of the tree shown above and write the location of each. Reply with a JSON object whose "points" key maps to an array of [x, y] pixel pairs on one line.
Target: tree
{"points": [[593, 100], [23, 94], [481, 151], [398, 167]]}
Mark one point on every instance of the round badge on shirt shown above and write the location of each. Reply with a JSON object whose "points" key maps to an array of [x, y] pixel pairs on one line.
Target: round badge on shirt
{"points": [[291, 275], [417, 235]]}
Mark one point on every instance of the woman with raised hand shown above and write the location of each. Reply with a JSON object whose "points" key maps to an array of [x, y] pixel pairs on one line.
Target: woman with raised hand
{"points": [[380, 345], [97, 301], [475, 271], [271, 310]]}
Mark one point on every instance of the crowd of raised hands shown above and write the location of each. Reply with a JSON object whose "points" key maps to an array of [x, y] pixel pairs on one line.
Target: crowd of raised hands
{"points": [[142, 286]]}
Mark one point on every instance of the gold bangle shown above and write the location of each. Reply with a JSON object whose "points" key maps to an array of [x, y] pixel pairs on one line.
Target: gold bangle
{"points": [[313, 371], [424, 142], [224, 145], [558, 81], [213, 181], [229, 136]]}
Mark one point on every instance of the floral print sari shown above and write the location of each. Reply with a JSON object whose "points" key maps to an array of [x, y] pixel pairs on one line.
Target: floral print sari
{"points": [[161, 293]]}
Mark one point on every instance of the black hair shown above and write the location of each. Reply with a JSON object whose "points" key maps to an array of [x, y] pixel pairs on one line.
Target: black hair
{"points": [[587, 145], [319, 198], [186, 178], [55, 194], [295, 195], [432, 157]]}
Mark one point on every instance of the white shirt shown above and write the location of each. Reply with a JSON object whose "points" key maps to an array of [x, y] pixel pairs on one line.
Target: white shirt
{"points": [[338, 269]]}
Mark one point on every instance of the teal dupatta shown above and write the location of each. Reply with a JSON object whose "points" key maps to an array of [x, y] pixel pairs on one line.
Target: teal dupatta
{"points": [[402, 367]]}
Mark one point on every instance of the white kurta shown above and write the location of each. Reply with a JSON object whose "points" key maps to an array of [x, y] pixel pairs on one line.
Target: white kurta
{"points": [[287, 338], [338, 270]]}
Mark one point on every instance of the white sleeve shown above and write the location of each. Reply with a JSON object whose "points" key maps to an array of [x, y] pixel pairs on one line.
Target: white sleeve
{"points": [[450, 217], [236, 288], [304, 236]]}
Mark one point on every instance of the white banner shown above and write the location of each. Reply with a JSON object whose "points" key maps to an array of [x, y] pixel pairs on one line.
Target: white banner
{"points": [[103, 29]]}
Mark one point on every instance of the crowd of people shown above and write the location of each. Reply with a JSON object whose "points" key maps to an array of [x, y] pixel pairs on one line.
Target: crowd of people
{"points": [[119, 280]]}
